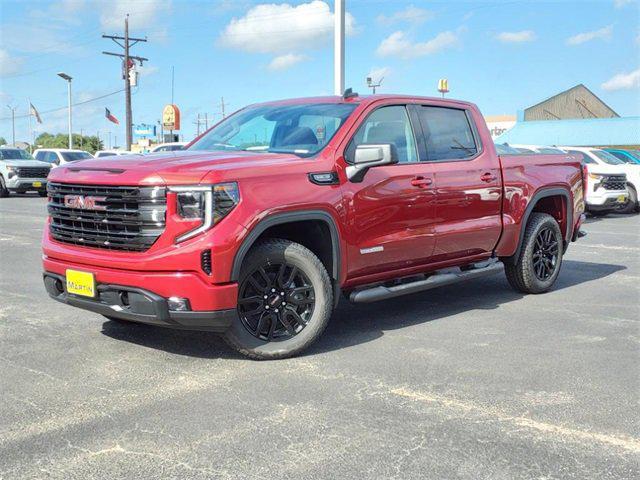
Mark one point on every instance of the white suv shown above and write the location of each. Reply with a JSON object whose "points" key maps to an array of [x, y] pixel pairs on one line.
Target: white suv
{"points": [[19, 172], [60, 156], [607, 187]]}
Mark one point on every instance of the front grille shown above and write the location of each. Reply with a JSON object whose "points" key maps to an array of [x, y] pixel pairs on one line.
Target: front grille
{"points": [[615, 182], [33, 172], [126, 218]]}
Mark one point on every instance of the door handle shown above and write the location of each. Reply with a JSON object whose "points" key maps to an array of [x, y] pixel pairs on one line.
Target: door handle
{"points": [[421, 182], [488, 177]]}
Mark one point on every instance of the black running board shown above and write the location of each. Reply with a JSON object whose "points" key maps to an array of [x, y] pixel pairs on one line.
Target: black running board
{"points": [[381, 292]]}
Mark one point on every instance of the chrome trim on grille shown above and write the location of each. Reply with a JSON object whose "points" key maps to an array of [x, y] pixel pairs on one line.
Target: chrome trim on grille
{"points": [[130, 218]]}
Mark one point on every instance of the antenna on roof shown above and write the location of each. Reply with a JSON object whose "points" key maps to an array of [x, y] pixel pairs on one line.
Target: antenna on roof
{"points": [[349, 93]]}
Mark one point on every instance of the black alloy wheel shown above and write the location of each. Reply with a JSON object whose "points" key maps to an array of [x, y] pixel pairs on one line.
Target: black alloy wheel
{"points": [[545, 254], [276, 301]]}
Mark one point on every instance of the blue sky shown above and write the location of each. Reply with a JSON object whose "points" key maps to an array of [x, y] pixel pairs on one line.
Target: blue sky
{"points": [[502, 55]]}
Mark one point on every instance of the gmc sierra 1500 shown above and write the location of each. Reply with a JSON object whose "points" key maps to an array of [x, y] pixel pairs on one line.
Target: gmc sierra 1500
{"points": [[257, 227]]}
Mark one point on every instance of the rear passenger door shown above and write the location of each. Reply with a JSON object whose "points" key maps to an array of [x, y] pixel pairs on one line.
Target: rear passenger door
{"points": [[468, 183]]}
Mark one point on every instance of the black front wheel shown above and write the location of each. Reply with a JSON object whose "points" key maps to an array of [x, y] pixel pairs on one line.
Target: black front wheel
{"points": [[632, 205], [284, 301], [536, 268]]}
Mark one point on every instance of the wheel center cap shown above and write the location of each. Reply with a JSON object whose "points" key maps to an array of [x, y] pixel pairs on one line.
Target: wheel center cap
{"points": [[274, 300]]}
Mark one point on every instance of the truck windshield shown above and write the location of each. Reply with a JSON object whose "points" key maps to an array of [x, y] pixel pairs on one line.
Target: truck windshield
{"points": [[299, 129], [606, 157], [15, 154], [74, 156]]}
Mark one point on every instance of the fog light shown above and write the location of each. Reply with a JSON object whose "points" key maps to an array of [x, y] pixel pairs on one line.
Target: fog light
{"points": [[177, 304]]}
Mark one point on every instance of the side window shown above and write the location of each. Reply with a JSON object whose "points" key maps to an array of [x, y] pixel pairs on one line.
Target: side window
{"points": [[40, 156], [387, 125], [51, 157], [448, 134]]}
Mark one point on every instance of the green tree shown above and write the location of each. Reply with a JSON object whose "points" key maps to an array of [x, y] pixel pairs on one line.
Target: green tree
{"points": [[84, 142], [2, 141]]}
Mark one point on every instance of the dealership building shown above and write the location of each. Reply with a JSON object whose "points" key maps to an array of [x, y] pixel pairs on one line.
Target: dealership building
{"points": [[575, 117]]}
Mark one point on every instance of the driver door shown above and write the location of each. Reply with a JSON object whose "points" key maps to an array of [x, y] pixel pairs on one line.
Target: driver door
{"points": [[391, 211]]}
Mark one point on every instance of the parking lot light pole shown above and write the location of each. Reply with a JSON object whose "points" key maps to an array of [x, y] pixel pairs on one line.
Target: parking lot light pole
{"points": [[13, 125], [68, 78], [338, 48]]}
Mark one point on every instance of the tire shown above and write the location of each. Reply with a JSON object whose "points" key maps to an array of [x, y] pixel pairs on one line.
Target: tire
{"points": [[297, 307], [3, 188], [538, 264], [632, 204]]}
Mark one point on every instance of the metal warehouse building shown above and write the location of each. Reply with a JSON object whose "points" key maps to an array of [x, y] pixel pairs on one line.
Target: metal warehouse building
{"points": [[575, 117], [577, 102]]}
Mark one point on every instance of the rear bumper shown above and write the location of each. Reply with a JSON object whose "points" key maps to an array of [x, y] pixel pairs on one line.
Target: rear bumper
{"points": [[141, 306]]}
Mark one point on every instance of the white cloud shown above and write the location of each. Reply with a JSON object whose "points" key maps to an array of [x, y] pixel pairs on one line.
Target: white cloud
{"points": [[623, 81], [517, 37], [398, 45], [621, 3], [286, 61], [411, 14], [603, 33], [9, 65], [142, 13], [281, 28], [147, 70], [378, 73]]}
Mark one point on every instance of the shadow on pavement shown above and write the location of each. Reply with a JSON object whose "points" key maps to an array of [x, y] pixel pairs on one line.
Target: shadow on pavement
{"points": [[356, 324]]}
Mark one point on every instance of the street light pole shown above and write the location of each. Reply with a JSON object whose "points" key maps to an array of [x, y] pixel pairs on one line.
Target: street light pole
{"points": [[13, 125], [68, 78], [338, 48]]}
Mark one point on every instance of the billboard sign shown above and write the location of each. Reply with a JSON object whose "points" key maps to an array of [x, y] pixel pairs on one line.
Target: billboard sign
{"points": [[171, 117], [144, 130]]}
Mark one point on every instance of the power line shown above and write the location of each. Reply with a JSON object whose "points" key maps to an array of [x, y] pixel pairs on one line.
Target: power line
{"points": [[65, 107]]}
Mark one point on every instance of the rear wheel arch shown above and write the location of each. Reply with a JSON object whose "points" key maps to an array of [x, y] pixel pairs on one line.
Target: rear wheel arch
{"points": [[546, 201], [319, 226]]}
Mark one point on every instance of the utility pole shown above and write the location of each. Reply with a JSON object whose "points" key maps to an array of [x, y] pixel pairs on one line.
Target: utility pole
{"points": [[338, 48], [206, 121], [222, 107], [13, 125], [128, 61]]}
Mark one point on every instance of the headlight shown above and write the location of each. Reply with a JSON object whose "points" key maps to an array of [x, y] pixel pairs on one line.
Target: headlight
{"points": [[595, 176], [11, 172], [207, 203]]}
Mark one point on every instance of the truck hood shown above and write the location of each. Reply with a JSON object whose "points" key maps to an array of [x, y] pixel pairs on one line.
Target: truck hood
{"points": [[170, 168], [605, 169], [25, 163]]}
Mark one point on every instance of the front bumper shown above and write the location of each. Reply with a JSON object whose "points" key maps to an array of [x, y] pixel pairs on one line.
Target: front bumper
{"points": [[140, 305], [19, 184], [603, 199]]}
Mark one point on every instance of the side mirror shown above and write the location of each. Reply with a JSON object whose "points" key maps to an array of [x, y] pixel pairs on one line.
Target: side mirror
{"points": [[368, 156]]}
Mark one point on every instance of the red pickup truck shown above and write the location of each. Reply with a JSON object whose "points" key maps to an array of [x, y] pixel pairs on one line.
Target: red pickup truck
{"points": [[257, 227]]}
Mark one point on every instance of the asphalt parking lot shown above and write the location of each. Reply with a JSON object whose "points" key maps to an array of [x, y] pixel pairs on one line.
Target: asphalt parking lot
{"points": [[471, 381]]}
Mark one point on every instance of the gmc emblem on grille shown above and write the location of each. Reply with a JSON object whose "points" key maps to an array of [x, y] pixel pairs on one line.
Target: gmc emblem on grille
{"points": [[84, 202]]}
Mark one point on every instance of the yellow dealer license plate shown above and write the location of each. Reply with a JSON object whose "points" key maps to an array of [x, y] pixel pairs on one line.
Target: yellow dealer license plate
{"points": [[37, 184], [622, 198], [81, 283]]}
